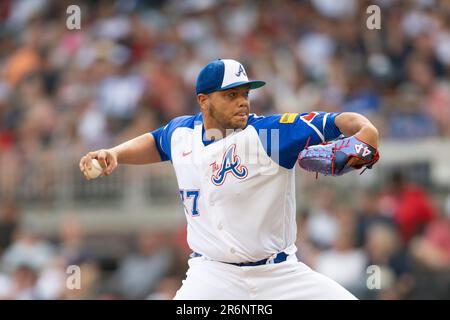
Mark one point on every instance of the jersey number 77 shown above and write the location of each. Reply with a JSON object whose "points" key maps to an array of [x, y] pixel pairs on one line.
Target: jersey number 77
{"points": [[190, 200]]}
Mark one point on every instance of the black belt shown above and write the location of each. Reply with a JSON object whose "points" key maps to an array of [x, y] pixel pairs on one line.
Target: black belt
{"points": [[280, 257]]}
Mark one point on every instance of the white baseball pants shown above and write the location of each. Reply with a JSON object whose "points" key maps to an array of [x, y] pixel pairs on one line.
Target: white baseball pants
{"points": [[289, 280]]}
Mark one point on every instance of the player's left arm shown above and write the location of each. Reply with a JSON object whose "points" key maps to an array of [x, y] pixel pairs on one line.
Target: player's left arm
{"points": [[355, 124]]}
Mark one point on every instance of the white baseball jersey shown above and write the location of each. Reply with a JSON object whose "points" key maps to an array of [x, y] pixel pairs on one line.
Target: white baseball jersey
{"points": [[239, 192]]}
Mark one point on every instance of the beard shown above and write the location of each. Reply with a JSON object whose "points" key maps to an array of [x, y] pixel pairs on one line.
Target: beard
{"points": [[222, 120]]}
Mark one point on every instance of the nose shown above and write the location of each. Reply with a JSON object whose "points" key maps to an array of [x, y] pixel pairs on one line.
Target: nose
{"points": [[244, 100]]}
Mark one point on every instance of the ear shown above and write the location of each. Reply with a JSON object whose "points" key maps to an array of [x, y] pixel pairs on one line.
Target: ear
{"points": [[202, 100]]}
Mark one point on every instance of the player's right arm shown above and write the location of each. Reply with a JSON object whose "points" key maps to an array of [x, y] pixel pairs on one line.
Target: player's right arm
{"points": [[148, 148], [140, 150]]}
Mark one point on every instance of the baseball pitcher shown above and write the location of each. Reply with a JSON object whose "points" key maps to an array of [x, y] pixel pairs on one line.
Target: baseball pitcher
{"points": [[235, 173]]}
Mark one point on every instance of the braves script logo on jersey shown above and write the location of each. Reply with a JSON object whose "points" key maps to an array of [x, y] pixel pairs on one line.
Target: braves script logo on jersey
{"points": [[231, 163]]}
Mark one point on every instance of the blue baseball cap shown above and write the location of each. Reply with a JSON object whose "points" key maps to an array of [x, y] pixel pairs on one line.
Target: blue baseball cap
{"points": [[223, 74]]}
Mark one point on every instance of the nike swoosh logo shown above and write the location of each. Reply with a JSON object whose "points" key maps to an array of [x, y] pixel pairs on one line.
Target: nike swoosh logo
{"points": [[186, 153]]}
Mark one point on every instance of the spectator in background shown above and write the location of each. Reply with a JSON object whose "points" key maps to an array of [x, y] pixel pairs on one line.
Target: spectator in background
{"points": [[25, 59], [368, 214], [412, 209], [140, 271], [434, 93], [344, 263], [119, 93], [21, 284], [409, 118], [431, 252], [9, 223], [385, 250], [51, 281], [322, 226], [432, 249], [28, 249], [71, 243], [23, 261]]}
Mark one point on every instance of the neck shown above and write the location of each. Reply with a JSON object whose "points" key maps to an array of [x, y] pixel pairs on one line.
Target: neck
{"points": [[213, 130]]}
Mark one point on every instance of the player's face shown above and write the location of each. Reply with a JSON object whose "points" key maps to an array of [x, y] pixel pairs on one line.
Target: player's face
{"points": [[230, 108]]}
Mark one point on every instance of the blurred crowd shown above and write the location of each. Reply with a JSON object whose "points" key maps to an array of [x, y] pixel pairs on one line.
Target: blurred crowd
{"points": [[132, 67]]}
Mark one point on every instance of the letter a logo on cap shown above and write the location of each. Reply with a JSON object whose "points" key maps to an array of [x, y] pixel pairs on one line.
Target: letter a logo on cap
{"points": [[241, 70]]}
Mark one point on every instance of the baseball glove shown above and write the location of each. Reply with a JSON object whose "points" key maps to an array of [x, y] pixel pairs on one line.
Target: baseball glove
{"points": [[331, 158]]}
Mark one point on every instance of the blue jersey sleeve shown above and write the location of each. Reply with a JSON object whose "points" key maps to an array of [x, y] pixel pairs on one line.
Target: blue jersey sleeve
{"points": [[163, 135], [285, 135], [162, 142]]}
